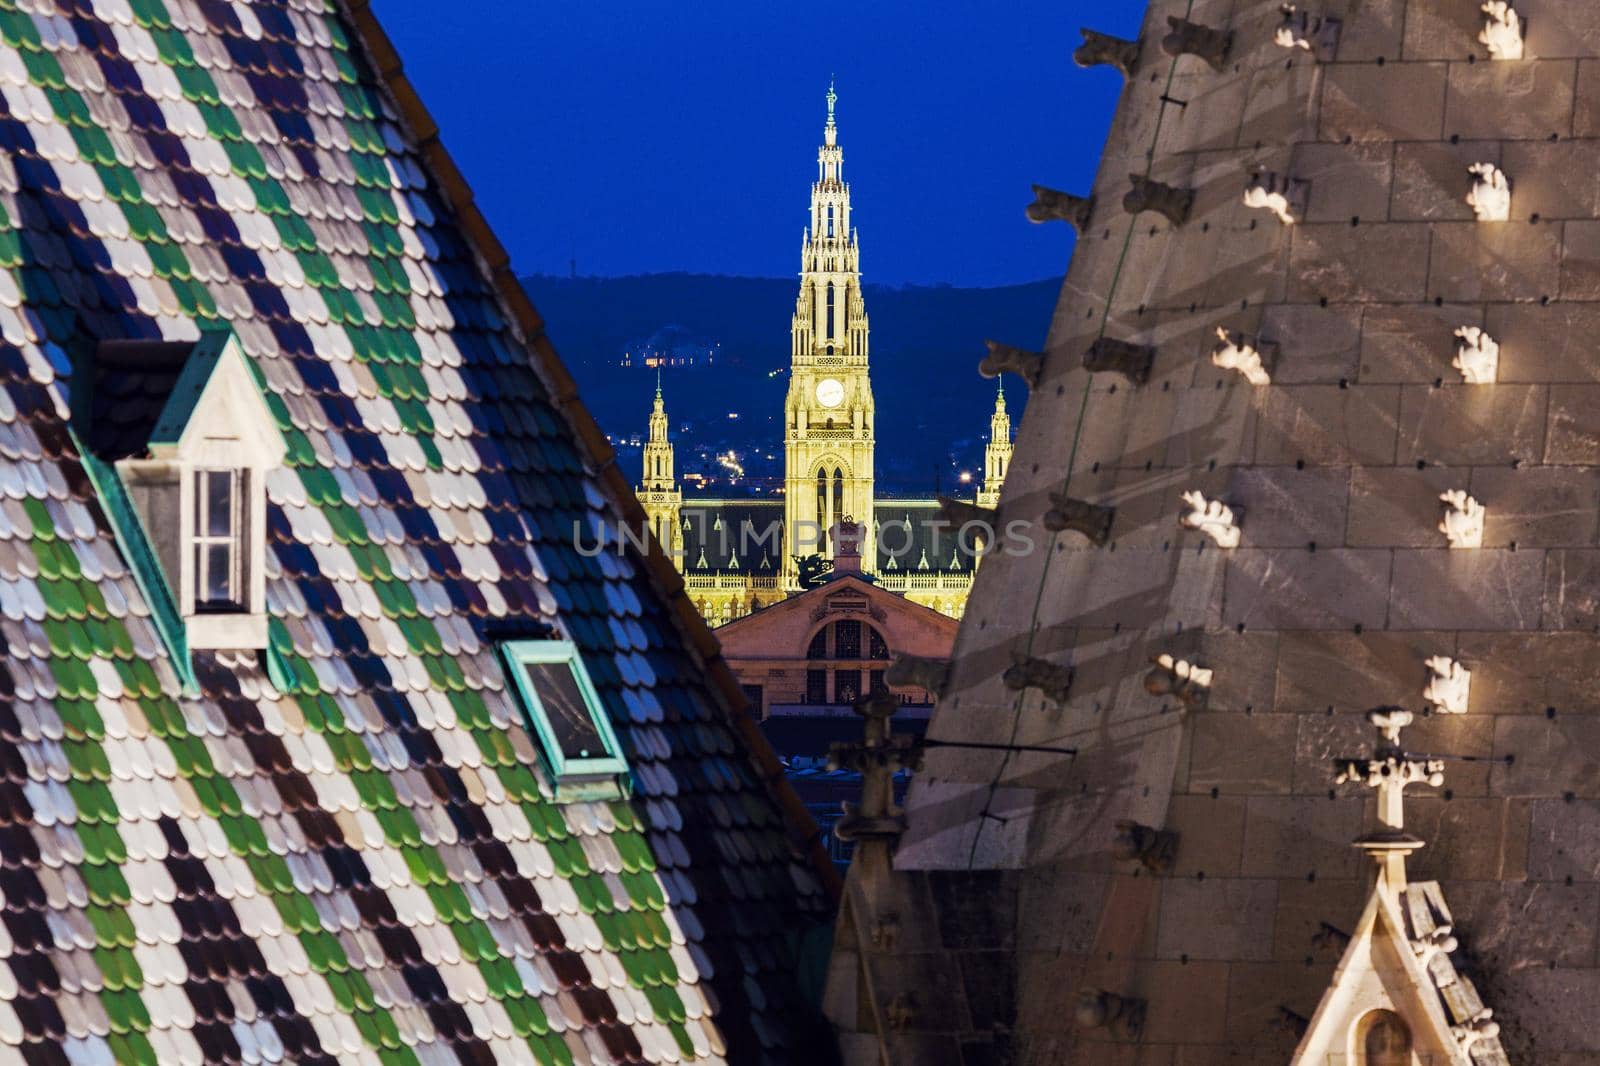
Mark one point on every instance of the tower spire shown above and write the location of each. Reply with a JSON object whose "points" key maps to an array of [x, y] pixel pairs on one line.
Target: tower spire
{"points": [[830, 130]]}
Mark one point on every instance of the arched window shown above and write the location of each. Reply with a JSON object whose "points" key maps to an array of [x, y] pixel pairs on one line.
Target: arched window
{"points": [[819, 645], [838, 493], [830, 220], [1383, 1039]]}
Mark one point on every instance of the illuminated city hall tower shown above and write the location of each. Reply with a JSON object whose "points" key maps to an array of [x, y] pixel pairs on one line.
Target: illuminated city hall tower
{"points": [[828, 415]]}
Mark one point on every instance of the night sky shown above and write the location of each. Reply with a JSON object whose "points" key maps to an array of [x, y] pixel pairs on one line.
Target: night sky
{"points": [[650, 136]]}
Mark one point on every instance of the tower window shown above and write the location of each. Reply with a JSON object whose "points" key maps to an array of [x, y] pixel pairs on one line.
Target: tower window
{"points": [[830, 220], [218, 551]]}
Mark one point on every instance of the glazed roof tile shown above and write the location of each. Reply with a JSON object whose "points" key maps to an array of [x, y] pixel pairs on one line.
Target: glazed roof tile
{"points": [[362, 866]]}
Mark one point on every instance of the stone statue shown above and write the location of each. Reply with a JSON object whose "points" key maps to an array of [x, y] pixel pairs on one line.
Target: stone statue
{"points": [[1477, 356], [1490, 195], [1004, 359], [1132, 361], [1098, 48], [1192, 39], [1234, 351], [1049, 678], [1079, 516], [1502, 30], [1272, 191], [1051, 205], [1147, 194], [1449, 684], [1462, 524], [1213, 518]]}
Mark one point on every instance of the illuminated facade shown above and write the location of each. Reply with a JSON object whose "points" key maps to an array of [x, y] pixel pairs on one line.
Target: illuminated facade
{"points": [[737, 555]]}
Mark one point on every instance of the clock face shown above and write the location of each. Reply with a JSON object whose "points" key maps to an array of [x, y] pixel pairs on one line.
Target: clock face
{"points": [[830, 393]]}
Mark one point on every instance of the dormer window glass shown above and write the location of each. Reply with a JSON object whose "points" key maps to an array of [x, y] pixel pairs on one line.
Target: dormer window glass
{"points": [[218, 553]]}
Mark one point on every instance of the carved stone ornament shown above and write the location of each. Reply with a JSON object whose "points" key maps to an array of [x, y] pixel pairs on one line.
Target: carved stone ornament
{"points": [[1490, 195], [1449, 685], [1186, 682], [1053, 680], [1212, 517], [1132, 361], [1318, 34], [1480, 1026], [1154, 849], [1103, 49], [1121, 1016], [1284, 196], [1050, 205], [1235, 351], [1169, 201], [960, 513], [1092, 520], [1192, 39], [1477, 356], [1502, 30], [1462, 524], [1004, 359], [930, 675]]}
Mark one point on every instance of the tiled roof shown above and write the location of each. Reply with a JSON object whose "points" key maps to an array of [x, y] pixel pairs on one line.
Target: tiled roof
{"points": [[359, 865]]}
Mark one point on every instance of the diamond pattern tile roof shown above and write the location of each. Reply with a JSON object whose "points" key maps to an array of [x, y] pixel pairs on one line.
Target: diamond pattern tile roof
{"points": [[350, 858]]}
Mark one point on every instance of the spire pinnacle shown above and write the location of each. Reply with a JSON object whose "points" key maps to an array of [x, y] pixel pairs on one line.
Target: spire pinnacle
{"points": [[833, 98], [1000, 396], [658, 383]]}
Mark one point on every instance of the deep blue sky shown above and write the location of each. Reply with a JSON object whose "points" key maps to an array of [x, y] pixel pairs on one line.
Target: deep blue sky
{"points": [[655, 136]]}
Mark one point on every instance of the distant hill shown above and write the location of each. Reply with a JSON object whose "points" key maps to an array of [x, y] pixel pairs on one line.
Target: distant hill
{"points": [[933, 408]]}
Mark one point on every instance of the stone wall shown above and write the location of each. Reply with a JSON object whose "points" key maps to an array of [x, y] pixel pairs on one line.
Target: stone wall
{"points": [[1343, 585]]}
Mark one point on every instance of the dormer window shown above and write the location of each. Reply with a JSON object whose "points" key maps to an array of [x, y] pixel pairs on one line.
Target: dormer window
{"points": [[179, 440], [564, 715]]}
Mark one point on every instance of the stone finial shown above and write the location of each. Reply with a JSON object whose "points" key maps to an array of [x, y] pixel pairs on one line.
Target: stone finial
{"points": [[1490, 195], [1477, 356], [1192, 39], [1186, 682], [1102, 48], [1278, 193], [1054, 680], [1169, 201], [1481, 1026], [960, 513], [1212, 517], [1300, 29], [1154, 849], [1502, 30], [1004, 359], [1388, 770], [1092, 520], [1050, 205], [877, 758], [1462, 524], [1236, 351], [930, 675], [1121, 1016], [1449, 685], [1132, 361]]}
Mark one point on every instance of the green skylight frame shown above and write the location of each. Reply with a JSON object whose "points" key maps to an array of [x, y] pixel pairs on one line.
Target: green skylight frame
{"points": [[564, 767]]}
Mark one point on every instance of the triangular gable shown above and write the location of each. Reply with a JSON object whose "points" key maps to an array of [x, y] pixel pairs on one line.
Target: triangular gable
{"points": [[1398, 963], [218, 397]]}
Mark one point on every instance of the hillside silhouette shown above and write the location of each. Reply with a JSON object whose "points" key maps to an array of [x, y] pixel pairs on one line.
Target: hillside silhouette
{"points": [[933, 408]]}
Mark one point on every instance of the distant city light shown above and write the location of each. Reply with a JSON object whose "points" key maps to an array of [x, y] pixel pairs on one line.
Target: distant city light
{"points": [[966, 477], [733, 414], [730, 462]]}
